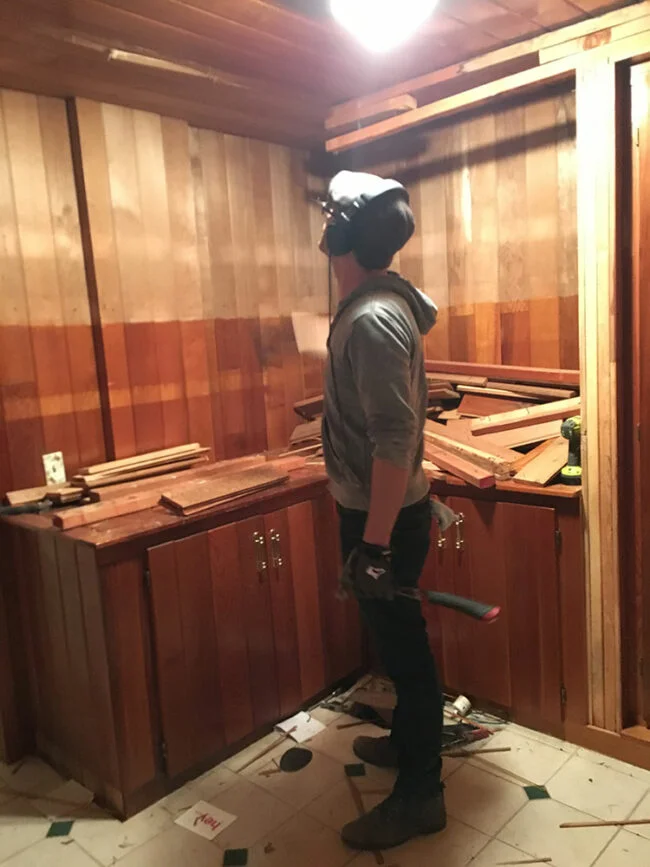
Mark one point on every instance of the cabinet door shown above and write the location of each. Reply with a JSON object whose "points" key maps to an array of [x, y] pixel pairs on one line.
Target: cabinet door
{"points": [[341, 619], [439, 574], [255, 576], [186, 651], [533, 613], [304, 567], [505, 554], [230, 614], [283, 608], [479, 555]]}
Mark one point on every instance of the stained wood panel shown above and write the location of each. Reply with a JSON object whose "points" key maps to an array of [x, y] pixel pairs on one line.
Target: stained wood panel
{"points": [[533, 612], [49, 395], [494, 198], [230, 619], [283, 578], [340, 617], [254, 575], [304, 564], [203, 248]]}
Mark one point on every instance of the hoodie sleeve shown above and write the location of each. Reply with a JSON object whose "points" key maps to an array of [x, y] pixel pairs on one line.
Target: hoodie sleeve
{"points": [[380, 352]]}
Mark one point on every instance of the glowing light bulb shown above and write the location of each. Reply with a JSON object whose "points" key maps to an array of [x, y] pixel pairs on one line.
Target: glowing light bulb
{"points": [[381, 24]]}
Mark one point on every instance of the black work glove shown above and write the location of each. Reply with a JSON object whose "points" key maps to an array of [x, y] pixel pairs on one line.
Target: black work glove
{"points": [[368, 573]]}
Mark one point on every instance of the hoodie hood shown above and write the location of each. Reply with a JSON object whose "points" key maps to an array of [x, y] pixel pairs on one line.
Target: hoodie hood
{"points": [[424, 310]]}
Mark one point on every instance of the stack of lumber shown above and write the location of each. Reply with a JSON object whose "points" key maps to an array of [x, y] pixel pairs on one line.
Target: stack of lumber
{"points": [[128, 498], [200, 496], [502, 408], [141, 466]]}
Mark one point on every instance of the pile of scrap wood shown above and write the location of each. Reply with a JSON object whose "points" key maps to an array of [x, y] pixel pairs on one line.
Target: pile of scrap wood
{"points": [[188, 491], [502, 410]]}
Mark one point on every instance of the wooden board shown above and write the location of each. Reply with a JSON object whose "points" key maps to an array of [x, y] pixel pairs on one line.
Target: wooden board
{"points": [[526, 436], [140, 461], [32, 495], [304, 432], [478, 406], [462, 433], [508, 373], [535, 391], [472, 453], [465, 470], [309, 408], [118, 478], [523, 460], [492, 391], [557, 410], [207, 492], [545, 465], [455, 378], [68, 519]]}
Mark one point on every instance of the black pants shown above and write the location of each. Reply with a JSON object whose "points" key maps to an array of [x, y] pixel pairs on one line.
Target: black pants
{"points": [[399, 631]]}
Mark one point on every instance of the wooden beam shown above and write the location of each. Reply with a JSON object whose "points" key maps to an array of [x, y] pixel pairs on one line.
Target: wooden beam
{"points": [[535, 391], [435, 434], [506, 373], [356, 114], [598, 97], [557, 410], [456, 465], [476, 96]]}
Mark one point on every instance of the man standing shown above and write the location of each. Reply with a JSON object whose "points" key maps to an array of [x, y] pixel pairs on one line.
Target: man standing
{"points": [[374, 415]]}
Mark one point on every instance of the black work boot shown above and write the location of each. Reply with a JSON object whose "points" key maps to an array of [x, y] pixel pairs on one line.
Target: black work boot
{"points": [[379, 752], [395, 821]]}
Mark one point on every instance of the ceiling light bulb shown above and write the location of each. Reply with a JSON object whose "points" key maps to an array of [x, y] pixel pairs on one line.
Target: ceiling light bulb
{"points": [[381, 24]]}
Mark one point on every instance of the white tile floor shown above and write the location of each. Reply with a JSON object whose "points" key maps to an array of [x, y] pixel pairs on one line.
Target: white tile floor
{"points": [[292, 820]]}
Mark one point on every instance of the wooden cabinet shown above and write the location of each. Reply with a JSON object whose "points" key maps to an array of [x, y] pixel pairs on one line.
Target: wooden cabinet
{"points": [[506, 554], [237, 630]]}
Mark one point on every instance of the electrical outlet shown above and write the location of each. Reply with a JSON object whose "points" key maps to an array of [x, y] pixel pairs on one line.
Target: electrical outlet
{"points": [[54, 468]]}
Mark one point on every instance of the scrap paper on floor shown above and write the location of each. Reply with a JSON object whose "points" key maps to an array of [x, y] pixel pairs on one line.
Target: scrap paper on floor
{"points": [[301, 727], [205, 820]]}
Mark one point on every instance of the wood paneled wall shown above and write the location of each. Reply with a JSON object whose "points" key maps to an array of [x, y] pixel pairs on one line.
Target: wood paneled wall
{"points": [[49, 397], [494, 197], [203, 245]]}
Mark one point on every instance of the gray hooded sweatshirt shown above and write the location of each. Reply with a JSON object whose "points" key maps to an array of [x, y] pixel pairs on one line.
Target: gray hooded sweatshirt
{"points": [[376, 388]]}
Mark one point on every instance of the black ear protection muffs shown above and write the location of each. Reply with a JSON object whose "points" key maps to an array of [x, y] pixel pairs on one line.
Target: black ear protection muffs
{"points": [[349, 195]]}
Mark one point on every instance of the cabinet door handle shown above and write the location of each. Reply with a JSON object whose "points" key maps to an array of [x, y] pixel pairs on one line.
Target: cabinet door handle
{"points": [[442, 540], [276, 550], [260, 552], [460, 538]]}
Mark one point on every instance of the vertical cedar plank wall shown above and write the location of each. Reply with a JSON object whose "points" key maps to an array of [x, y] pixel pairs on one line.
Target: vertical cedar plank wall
{"points": [[203, 245], [494, 198], [49, 398]]}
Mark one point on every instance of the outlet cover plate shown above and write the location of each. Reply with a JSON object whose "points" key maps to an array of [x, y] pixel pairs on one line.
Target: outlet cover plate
{"points": [[54, 468]]}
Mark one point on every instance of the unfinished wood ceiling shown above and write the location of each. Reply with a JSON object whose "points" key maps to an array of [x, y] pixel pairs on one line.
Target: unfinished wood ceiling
{"points": [[265, 69]]}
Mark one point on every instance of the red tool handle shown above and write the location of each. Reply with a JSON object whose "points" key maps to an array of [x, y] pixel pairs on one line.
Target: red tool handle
{"points": [[477, 610]]}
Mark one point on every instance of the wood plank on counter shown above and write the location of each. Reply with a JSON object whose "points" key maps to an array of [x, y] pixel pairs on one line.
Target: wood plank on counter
{"points": [[509, 373]]}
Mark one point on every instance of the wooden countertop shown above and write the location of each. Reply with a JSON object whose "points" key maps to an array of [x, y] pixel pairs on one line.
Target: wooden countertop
{"points": [[130, 535]]}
